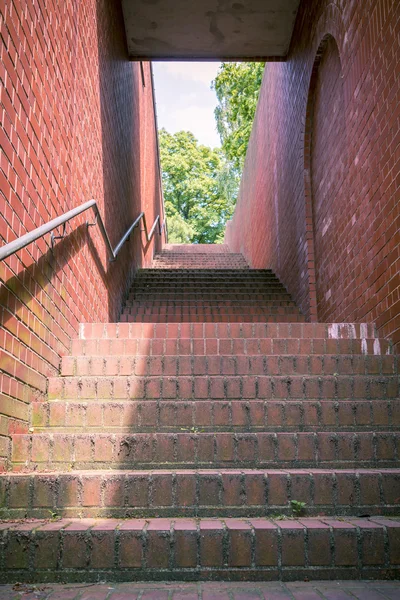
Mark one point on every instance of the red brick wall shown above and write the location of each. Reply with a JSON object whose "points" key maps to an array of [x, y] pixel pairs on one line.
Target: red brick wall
{"points": [[326, 158], [75, 119], [322, 170]]}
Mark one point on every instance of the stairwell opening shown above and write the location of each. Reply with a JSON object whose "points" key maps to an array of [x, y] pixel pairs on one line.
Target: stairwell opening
{"points": [[205, 114]]}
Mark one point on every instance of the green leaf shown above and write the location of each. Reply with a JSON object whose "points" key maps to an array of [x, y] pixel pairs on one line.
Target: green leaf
{"points": [[200, 189], [237, 86]]}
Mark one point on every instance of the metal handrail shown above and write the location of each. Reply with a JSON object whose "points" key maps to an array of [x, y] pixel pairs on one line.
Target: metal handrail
{"points": [[30, 237]]}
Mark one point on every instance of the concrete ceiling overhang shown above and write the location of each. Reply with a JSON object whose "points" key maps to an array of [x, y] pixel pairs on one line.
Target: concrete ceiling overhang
{"points": [[209, 29]]}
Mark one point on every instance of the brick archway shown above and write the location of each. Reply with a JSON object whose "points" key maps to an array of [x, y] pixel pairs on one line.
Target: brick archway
{"points": [[324, 89]]}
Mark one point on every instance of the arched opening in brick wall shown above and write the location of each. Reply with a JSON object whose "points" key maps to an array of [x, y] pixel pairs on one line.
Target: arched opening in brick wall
{"points": [[324, 171]]}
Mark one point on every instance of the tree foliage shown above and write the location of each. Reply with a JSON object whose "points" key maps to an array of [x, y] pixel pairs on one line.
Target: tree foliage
{"points": [[197, 190], [237, 86], [200, 183]]}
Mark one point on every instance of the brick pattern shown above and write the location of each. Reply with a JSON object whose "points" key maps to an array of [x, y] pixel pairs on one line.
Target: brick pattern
{"points": [[218, 257], [214, 387], [47, 451], [357, 332], [177, 346], [326, 90], [232, 548], [197, 433], [239, 590], [320, 170], [219, 364], [199, 493], [214, 415], [206, 294], [66, 137]]}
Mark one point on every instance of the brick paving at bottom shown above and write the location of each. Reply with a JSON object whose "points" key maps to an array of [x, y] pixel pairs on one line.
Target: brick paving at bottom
{"points": [[316, 590]]}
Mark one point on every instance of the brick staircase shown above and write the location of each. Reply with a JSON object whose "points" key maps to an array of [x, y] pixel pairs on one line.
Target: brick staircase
{"points": [[178, 443], [207, 287], [198, 256]]}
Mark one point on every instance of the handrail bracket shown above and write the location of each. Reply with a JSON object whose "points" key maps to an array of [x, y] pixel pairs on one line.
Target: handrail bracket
{"points": [[53, 237], [92, 224]]}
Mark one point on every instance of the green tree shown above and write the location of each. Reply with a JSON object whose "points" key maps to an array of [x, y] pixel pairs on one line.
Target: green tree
{"points": [[198, 195], [237, 86]]}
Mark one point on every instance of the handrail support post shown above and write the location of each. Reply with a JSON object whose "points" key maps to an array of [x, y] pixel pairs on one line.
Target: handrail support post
{"points": [[92, 224], [57, 237]]}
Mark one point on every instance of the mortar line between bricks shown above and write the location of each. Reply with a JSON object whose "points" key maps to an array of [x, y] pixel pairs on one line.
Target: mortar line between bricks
{"points": [[321, 595]]}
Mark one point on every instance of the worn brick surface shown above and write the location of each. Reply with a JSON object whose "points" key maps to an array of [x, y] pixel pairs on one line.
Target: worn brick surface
{"points": [[325, 590], [201, 547], [201, 492]]}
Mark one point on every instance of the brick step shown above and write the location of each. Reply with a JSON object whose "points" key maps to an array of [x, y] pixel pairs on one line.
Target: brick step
{"points": [[182, 300], [152, 300], [224, 258], [209, 307], [230, 305], [148, 308], [208, 277], [210, 272], [193, 286], [260, 294], [317, 364], [197, 493], [220, 257], [166, 314], [203, 387], [201, 263], [176, 253], [239, 299], [208, 285], [207, 281], [206, 271], [79, 550], [158, 299], [201, 318], [327, 331], [185, 306], [61, 451], [134, 416], [195, 248], [187, 346]]}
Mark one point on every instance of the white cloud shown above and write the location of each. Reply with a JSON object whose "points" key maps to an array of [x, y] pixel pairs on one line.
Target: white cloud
{"points": [[199, 121], [184, 99], [203, 72]]}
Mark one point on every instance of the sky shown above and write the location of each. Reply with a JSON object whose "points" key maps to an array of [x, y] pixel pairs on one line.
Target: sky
{"points": [[184, 99]]}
